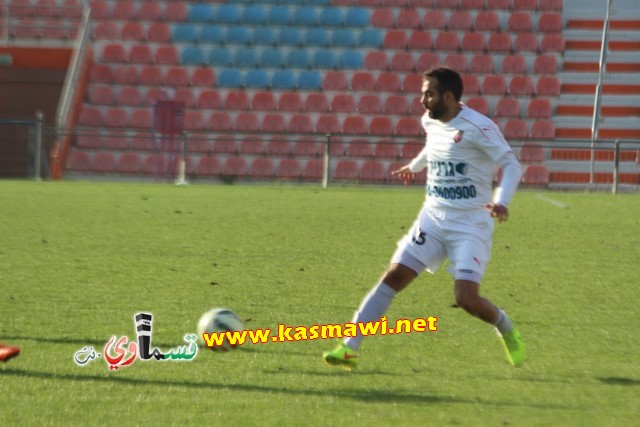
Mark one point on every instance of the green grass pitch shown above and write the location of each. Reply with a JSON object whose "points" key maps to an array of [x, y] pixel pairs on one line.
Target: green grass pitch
{"points": [[78, 260]]}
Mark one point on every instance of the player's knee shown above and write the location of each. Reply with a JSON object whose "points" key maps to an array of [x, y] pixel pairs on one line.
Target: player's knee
{"points": [[468, 302], [398, 276]]}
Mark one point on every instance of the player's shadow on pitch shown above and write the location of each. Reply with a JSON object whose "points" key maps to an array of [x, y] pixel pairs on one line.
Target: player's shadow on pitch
{"points": [[619, 381]]}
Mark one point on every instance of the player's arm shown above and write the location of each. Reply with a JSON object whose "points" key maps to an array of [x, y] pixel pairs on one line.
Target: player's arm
{"points": [[511, 174], [416, 165]]}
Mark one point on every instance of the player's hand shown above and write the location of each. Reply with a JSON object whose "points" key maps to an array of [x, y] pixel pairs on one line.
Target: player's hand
{"points": [[498, 211], [405, 174]]}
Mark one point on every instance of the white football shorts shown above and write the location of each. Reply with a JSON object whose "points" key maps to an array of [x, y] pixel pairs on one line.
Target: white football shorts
{"points": [[464, 237]]}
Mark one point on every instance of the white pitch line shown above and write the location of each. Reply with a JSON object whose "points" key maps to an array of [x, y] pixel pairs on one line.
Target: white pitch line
{"points": [[551, 201]]}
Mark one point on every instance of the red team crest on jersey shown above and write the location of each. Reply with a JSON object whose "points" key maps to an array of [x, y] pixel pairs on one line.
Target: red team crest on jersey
{"points": [[458, 136]]}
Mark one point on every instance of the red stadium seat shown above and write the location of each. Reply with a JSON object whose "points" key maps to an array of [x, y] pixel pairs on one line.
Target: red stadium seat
{"points": [[445, 4], [150, 11], [203, 77], [262, 168], [102, 95], [545, 64], [395, 39], [220, 121], [531, 152], [481, 105], [307, 147], [446, 40], [252, 145], [101, 73], [382, 18], [420, 40], [426, 61], [527, 5], [460, 20], [471, 84], [516, 129], [346, 170], [116, 117], [416, 106], [328, 123], [154, 95], [387, 150], [550, 23], [472, 42], [372, 171], [548, 86], [152, 75], [194, 120], [209, 166], [408, 127], [300, 123], [543, 129], [363, 81], [381, 126], [274, 123], [499, 42], [539, 109], [552, 43], [434, 19], [106, 30], [521, 86], [175, 12], [141, 54], [225, 145], [550, 5], [167, 55], [78, 161], [519, 22], [343, 103], [408, 18], [471, 4], [457, 61], [412, 83], [114, 53], [100, 9], [143, 141], [247, 122], [411, 150], [396, 104], [141, 118], [290, 101], [116, 141], [158, 32], [129, 163], [178, 76], [536, 175], [487, 21], [263, 101], [103, 163], [313, 170], [402, 61], [209, 100], [235, 167], [508, 108], [498, 4], [514, 64], [316, 102], [278, 145], [237, 100], [370, 104], [494, 85], [289, 169], [133, 31], [334, 80], [387, 82], [354, 125], [481, 64], [526, 42], [360, 148], [376, 60], [124, 11]]}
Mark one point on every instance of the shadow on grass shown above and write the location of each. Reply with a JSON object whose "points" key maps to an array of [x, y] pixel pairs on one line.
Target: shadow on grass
{"points": [[619, 381]]}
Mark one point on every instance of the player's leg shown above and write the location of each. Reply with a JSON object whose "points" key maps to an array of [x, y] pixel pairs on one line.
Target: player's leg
{"points": [[7, 352]]}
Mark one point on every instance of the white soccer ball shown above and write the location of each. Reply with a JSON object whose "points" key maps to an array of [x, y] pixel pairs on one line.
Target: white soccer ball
{"points": [[219, 320]]}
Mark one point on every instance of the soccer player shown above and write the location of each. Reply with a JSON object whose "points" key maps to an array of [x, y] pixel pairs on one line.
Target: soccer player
{"points": [[462, 150], [7, 352]]}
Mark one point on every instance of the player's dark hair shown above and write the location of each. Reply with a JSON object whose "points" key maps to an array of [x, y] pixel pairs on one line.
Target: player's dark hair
{"points": [[448, 81]]}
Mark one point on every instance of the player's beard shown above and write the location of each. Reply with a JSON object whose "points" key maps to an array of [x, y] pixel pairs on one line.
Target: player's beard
{"points": [[438, 110]]}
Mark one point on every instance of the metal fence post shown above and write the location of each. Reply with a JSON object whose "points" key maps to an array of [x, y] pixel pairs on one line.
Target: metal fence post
{"points": [[38, 148], [182, 163], [327, 163], [616, 166]]}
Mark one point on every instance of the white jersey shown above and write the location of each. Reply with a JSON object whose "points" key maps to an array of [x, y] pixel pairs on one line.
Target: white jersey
{"points": [[461, 157]]}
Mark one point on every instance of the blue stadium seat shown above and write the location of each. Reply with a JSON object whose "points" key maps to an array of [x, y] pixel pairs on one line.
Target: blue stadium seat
{"points": [[331, 17], [230, 78], [211, 34], [185, 33], [238, 35], [220, 57], [264, 36], [283, 79], [351, 59], [318, 2], [309, 80], [279, 15], [370, 38], [316, 37], [298, 58], [200, 12], [253, 15], [343, 37], [245, 58], [228, 14], [305, 17], [290, 37], [324, 59], [357, 17], [256, 79], [272, 58], [193, 55]]}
